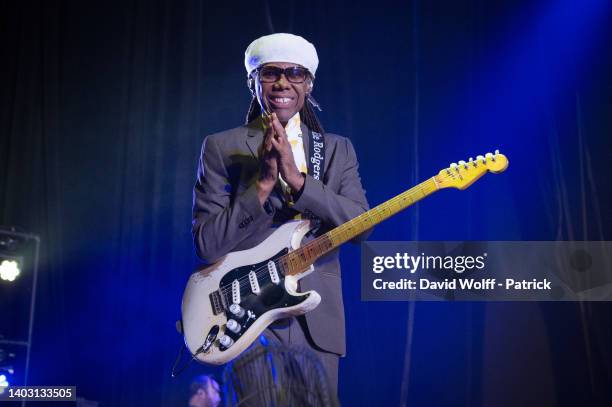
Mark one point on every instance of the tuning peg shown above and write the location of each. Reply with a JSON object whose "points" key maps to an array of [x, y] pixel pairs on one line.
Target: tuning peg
{"points": [[496, 152], [480, 158], [453, 166], [488, 155], [472, 161], [463, 164]]}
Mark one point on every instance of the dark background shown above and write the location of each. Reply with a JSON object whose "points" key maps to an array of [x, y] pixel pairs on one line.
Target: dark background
{"points": [[103, 108]]}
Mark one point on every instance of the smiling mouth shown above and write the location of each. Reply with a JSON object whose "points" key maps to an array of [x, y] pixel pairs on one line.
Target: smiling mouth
{"points": [[281, 101]]}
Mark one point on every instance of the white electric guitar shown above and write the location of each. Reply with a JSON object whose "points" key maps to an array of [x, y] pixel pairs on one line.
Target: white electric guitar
{"points": [[227, 305]]}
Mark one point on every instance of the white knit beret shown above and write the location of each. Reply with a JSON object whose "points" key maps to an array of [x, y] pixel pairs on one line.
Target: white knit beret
{"points": [[281, 47]]}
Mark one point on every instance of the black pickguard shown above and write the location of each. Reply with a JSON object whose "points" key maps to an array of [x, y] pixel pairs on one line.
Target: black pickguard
{"points": [[272, 296]]}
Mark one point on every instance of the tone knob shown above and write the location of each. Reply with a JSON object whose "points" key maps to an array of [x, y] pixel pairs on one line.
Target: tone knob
{"points": [[226, 341], [237, 310], [233, 326]]}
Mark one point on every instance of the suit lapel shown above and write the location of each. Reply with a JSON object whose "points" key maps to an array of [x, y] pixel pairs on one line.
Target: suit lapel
{"points": [[254, 137]]}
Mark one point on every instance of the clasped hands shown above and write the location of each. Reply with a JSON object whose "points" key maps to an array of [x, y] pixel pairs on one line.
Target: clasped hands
{"points": [[276, 157]]}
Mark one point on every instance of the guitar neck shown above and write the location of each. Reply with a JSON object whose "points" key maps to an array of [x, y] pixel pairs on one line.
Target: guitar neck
{"points": [[299, 260]]}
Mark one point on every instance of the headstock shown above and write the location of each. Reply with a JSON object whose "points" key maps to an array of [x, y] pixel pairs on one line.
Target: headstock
{"points": [[463, 174]]}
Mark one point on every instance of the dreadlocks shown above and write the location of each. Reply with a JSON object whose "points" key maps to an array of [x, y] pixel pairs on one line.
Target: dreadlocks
{"points": [[307, 115]]}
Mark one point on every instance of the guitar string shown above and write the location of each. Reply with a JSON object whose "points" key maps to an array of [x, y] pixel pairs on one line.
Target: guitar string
{"points": [[260, 272], [382, 208], [425, 188], [366, 216]]}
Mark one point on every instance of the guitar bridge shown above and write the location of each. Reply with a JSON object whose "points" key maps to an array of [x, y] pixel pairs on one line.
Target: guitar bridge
{"points": [[216, 302]]}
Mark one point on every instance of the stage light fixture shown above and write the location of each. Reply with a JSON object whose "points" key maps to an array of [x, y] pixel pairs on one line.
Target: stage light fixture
{"points": [[3, 383], [19, 257], [9, 270]]}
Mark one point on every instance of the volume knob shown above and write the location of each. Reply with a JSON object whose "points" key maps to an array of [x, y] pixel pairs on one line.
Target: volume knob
{"points": [[237, 310], [233, 326], [226, 341]]}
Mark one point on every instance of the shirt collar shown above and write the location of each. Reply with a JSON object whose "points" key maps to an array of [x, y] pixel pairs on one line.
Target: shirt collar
{"points": [[293, 126]]}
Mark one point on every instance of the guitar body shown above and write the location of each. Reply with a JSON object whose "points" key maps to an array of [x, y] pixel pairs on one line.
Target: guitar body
{"points": [[229, 304], [252, 280]]}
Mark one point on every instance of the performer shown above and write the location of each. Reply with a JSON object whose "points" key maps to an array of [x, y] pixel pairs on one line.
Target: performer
{"points": [[204, 392], [278, 166]]}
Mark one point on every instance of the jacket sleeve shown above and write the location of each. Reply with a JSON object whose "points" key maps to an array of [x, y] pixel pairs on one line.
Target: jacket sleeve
{"points": [[220, 223], [336, 208]]}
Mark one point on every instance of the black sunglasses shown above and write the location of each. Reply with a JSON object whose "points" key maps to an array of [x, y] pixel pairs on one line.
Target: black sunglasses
{"points": [[294, 74]]}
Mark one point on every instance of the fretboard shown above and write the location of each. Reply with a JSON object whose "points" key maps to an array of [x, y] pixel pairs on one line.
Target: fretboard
{"points": [[299, 260]]}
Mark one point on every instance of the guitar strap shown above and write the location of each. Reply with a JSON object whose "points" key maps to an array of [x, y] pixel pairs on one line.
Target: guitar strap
{"points": [[316, 166], [316, 155]]}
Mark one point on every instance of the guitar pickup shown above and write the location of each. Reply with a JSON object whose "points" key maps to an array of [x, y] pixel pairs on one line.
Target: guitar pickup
{"points": [[216, 303], [254, 283], [236, 292], [273, 272]]}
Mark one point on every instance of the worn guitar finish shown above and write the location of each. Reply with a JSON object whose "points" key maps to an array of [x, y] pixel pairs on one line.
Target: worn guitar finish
{"points": [[227, 305], [212, 291]]}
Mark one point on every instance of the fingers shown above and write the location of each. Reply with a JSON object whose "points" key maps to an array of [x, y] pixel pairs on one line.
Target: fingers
{"points": [[268, 136], [277, 144], [266, 147], [269, 165], [282, 147], [278, 127], [268, 144], [275, 138], [286, 161]]}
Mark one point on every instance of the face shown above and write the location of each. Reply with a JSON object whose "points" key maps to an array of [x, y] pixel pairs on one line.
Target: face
{"points": [[282, 97], [207, 397]]}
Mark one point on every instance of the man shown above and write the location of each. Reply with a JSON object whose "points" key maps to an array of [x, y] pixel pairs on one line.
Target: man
{"points": [[205, 392], [279, 166]]}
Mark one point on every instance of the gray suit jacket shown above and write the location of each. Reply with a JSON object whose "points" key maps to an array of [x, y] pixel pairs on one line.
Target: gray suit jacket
{"points": [[227, 215]]}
